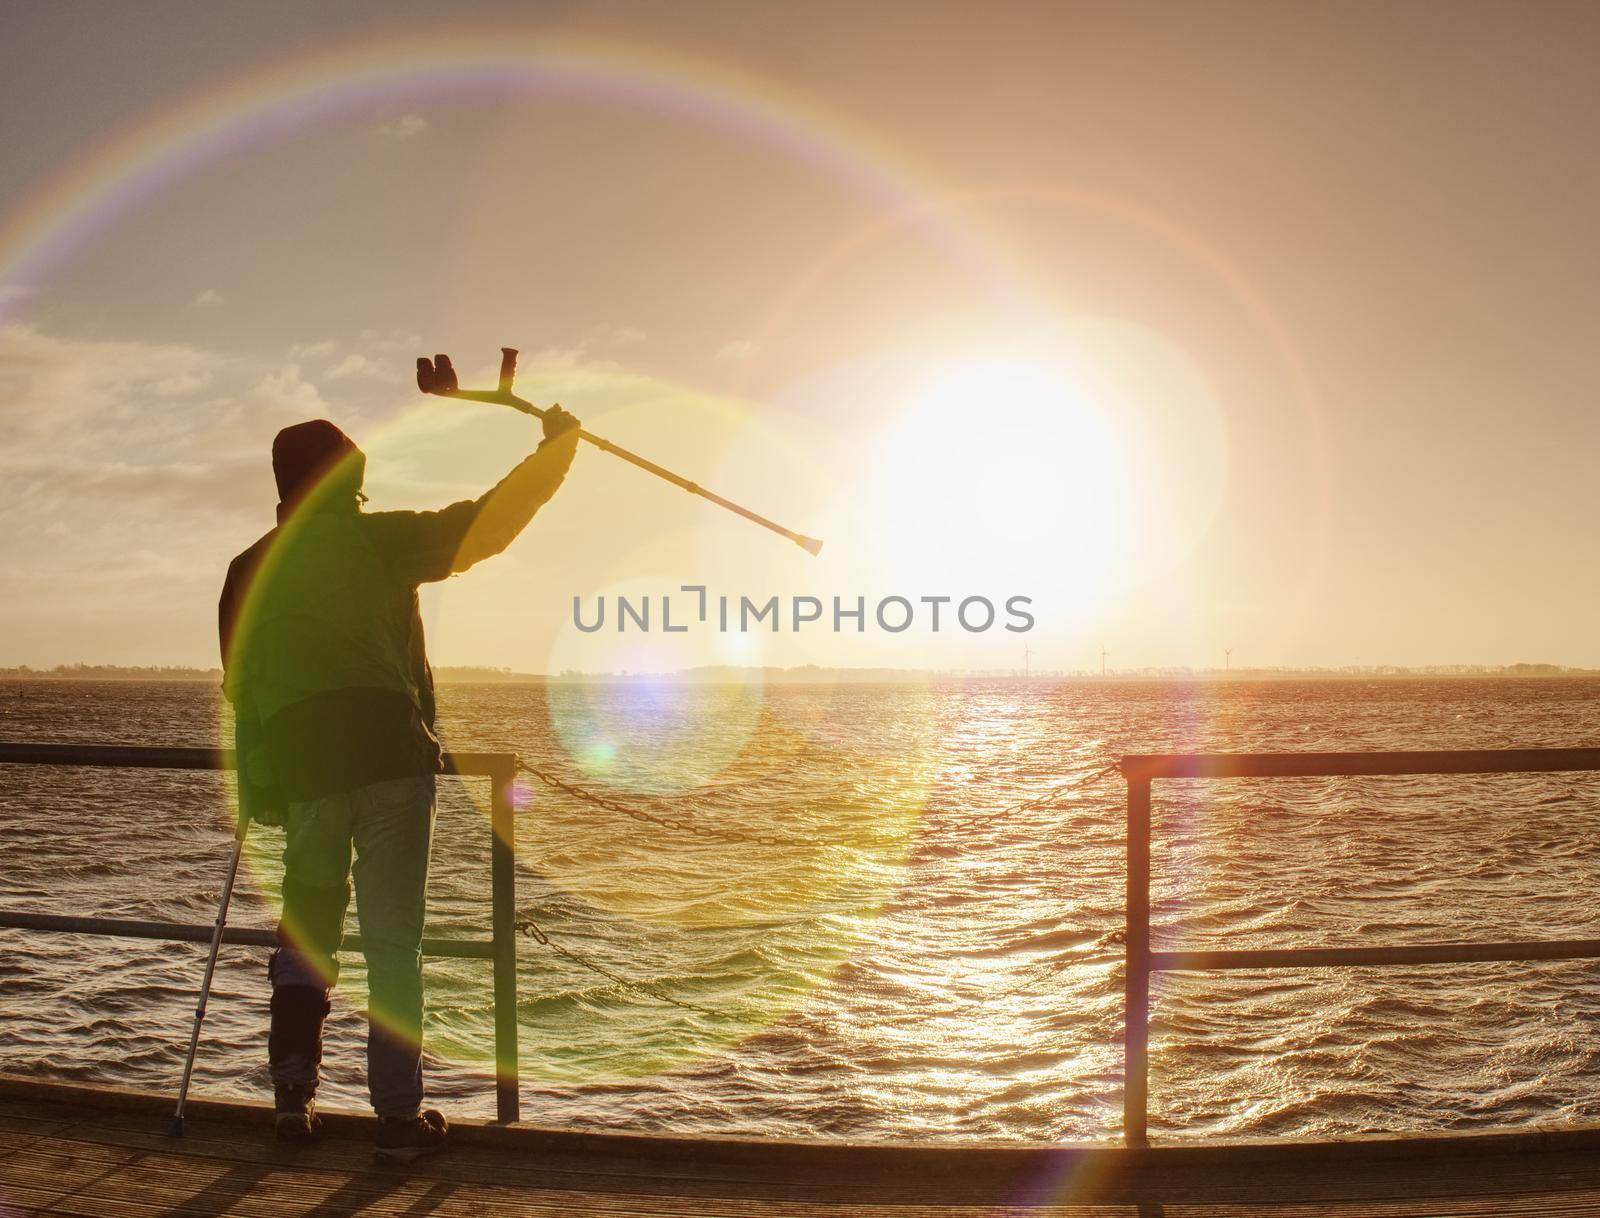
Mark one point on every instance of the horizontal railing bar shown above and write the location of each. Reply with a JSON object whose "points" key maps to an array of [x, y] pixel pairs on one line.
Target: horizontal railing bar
{"points": [[129, 756], [117, 755], [1328, 765], [1344, 957], [182, 932]]}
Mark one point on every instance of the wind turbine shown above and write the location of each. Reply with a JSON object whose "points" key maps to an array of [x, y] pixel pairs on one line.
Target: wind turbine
{"points": [[1103, 654], [1227, 659]]}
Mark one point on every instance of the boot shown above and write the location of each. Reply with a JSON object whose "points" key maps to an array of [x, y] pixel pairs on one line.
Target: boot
{"points": [[402, 1139], [296, 1115], [294, 1053]]}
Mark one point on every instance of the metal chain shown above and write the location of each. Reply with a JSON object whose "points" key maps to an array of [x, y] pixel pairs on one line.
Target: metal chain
{"points": [[534, 931], [1045, 800], [666, 820], [663, 820]]}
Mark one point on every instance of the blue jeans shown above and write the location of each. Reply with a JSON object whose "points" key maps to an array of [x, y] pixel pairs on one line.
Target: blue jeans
{"points": [[387, 827]]}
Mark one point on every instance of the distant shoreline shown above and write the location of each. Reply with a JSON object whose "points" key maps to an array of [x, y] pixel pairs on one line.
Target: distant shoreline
{"points": [[813, 675]]}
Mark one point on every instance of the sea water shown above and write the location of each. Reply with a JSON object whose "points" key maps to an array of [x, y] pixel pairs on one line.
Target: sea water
{"points": [[875, 927]]}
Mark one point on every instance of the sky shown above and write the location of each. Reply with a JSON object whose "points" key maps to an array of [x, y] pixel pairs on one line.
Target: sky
{"points": [[1264, 327]]}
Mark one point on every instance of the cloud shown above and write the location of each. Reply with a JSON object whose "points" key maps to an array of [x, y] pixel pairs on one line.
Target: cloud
{"points": [[739, 349], [285, 390], [133, 471], [356, 366], [179, 384], [555, 371], [67, 401], [395, 341], [94, 393], [123, 489], [406, 127], [208, 299], [613, 336]]}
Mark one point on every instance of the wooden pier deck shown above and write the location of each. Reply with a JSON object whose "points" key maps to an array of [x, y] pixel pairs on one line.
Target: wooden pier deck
{"points": [[86, 1151]]}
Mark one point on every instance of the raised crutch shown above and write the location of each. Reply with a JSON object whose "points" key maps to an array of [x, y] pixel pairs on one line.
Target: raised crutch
{"points": [[438, 376]]}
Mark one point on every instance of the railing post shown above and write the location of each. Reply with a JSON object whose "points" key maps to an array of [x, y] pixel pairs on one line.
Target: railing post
{"points": [[1136, 995], [503, 872]]}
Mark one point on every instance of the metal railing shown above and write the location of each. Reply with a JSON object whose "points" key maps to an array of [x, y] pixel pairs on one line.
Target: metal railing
{"points": [[500, 948], [1143, 769], [1139, 771]]}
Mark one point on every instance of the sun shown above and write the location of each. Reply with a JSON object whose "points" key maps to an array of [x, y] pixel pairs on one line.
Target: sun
{"points": [[1002, 474]]}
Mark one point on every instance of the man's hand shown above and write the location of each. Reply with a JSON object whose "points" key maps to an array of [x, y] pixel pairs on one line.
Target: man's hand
{"points": [[558, 422]]}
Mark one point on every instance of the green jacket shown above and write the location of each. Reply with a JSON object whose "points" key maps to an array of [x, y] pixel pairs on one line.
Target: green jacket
{"points": [[327, 601]]}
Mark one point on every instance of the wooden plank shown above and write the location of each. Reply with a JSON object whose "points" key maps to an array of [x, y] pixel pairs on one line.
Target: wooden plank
{"points": [[142, 1187], [703, 1165], [146, 1171], [161, 1183], [477, 1164], [373, 1188], [118, 1158], [116, 1200], [803, 1155]]}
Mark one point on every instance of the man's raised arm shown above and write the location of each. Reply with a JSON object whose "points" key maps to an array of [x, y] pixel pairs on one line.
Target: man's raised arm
{"points": [[427, 546]]}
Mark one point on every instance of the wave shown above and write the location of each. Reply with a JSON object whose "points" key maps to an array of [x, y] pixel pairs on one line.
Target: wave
{"points": [[896, 972]]}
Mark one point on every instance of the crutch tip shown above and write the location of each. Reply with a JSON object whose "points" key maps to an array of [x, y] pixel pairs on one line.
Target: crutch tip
{"points": [[810, 545], [175, 1127]]}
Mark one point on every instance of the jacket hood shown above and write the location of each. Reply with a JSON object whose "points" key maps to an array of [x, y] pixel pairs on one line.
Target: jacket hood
{"points": [[315, 455]]}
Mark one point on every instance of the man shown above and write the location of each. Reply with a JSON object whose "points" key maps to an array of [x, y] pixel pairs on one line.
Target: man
{"points": [[334, 721]]}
